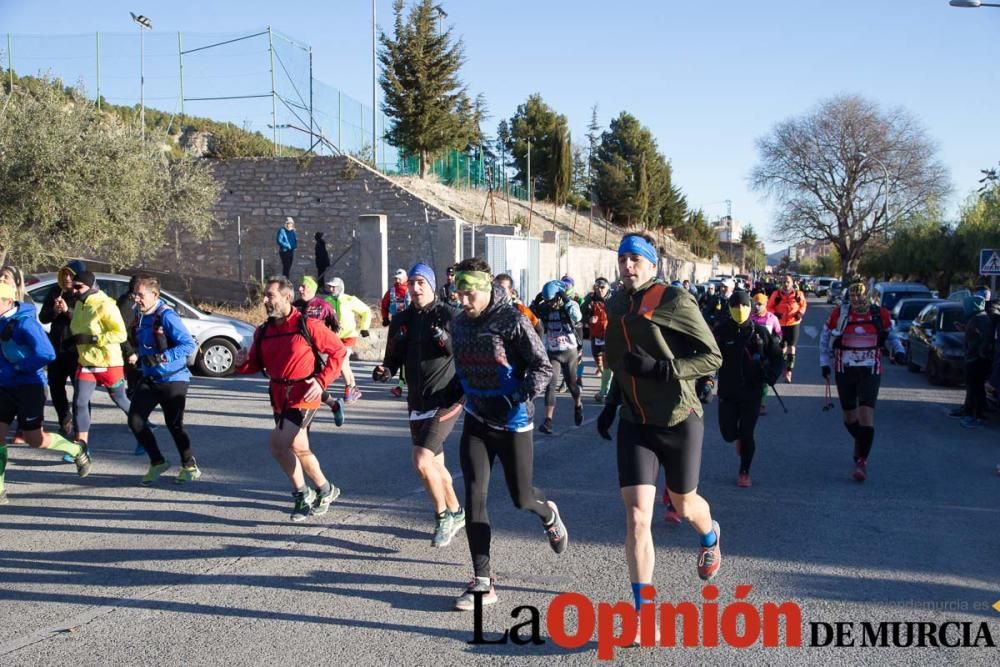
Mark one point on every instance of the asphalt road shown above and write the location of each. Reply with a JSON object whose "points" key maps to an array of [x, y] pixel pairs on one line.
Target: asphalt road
{"points": [[101, 571]]}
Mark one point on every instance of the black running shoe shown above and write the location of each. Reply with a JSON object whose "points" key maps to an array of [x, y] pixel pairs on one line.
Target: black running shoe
{"points": [[578, 415], [303, 505], [82, 460], [321, 504], [546, 426]]}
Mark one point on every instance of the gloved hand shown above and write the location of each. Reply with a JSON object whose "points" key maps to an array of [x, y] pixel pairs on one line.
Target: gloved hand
{"points": [[606, 419], [900, 358], [640, 363], [440, 335], [84, 339], [151, 360], [826, 372], [385, 321], [381, 374], [365, 333]]}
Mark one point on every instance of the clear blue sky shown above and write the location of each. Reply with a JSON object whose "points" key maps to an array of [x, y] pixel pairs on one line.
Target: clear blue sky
{"points": [[707, 78]]}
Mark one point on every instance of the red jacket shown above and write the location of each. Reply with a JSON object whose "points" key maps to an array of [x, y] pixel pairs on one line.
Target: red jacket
{"points": [[287, 356], [395, 299]]}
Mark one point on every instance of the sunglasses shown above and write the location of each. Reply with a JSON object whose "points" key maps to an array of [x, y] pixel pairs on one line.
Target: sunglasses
{"points": [[79, 286]]}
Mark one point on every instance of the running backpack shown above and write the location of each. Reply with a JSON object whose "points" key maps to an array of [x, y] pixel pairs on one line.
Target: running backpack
{"points": [[875, 315], [319, 363], [160, 340]]}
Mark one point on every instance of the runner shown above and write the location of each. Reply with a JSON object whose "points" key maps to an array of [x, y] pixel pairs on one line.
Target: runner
{"points": [[854, 337], [24, 351], [760, 315], [571, 294], [316, 307], [595, 312], [978, 342], [57, 311], [395, 299], [162, 345], [355, 317], [506, 283], [661, 424], [560, 315], [503, 367], [749, 353], [298, 376], [419, 340], [98, 332], [789, 305]]}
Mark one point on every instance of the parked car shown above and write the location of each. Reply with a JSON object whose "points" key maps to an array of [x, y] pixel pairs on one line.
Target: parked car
{"points": [[822, 285], [937, 342], [218, 337], [887, 294], [903, 314], [834, 292]]}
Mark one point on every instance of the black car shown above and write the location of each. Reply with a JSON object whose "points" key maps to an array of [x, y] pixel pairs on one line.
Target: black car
{"points": [[937, 343], [903, 314]]}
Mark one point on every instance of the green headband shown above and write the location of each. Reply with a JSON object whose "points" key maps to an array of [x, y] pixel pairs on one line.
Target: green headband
{"points": [[478, 281]]}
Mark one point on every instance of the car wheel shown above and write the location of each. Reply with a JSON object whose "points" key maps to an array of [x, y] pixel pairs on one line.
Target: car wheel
{"points": [[933, 373], [217, 358], [910, 366]]}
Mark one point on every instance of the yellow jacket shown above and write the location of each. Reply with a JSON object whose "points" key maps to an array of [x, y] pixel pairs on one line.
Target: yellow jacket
{"points": [[98, 315], [349, 308]]}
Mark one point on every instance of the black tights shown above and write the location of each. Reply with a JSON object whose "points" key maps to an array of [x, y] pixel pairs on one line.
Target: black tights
{"points": [[737, 420], [478, 449], [566, 360], [171, 396]]}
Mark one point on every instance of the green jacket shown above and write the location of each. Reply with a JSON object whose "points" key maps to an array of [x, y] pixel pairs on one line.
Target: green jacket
{"points": [[666, 322]]}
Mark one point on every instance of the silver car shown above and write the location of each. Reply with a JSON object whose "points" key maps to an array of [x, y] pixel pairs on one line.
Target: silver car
{"points": [[218, 337]]}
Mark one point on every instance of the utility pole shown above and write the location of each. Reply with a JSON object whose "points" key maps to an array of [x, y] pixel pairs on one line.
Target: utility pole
{"points": [[144, 24], [374, 95]]}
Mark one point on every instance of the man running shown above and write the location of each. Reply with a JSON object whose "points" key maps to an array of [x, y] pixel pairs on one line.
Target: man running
{"points": [[854, 336], [98, 332], [287, 348], [560, 316], [506, 283], [162, 345], [316, 307], [789, 305], [502, 366], [395, 299], [749, 355], [419, 340], [57, 311], [657, 345], [595, 312], [24, 352], [355, 317]]}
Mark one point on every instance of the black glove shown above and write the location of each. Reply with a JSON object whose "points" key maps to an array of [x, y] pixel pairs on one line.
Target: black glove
{"points": [[826, 372], [385, 322], [151, 360], [381, 374], [606, 419], [84, 339], [440, 336], [365, 333], [639, 363], [900, 358]]}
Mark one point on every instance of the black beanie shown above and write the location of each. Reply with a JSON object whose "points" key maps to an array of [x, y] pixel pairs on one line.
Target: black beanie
{"points": [[739, 298], [86, 278]]}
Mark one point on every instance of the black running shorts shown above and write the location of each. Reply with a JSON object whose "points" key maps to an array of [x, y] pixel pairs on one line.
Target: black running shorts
{"points": [[642, 449], [431, 433], [296, 416], [26, 402], [790, 335], [857, 385], [596, 349]]}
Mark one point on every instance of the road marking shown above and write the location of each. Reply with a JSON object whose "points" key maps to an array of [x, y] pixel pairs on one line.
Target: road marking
{"points": [[810, 331]]}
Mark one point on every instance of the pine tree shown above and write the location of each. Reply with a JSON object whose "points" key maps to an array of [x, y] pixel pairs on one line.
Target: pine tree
{"points": [[535, 123], [421, 88], [561, 166]]}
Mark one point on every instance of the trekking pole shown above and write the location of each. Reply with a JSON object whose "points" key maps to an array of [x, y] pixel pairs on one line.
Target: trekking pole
{"points": [[829, 397], [778, 396]]}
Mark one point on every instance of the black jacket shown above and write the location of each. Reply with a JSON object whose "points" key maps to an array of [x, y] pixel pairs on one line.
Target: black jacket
{"points": [[979, 337], [59, 333], [126, 306], [430, 368], [746, 349], [322, 256]]}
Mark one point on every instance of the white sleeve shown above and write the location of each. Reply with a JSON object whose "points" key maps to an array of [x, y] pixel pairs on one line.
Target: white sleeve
{"points": [[824, 346]]}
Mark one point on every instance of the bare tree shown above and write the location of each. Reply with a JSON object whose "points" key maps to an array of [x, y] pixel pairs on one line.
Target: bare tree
{"points": [[824, 170]]}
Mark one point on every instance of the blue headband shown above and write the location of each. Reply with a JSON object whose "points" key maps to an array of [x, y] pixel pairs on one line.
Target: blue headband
{"points": [[636, 245], [427, 273]]}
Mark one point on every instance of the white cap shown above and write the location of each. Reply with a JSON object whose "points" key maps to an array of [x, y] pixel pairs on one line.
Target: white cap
{"points": [[401, 273], [729, 283]]}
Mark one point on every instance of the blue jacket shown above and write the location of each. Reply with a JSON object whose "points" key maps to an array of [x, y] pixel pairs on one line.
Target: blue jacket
{"points": [[286, 239], [180, 345], [25, 349]]}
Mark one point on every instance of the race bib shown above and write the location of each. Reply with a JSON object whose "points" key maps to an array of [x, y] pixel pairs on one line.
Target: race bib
{"points": [[420, 416], [859, 358], [598, 341]]}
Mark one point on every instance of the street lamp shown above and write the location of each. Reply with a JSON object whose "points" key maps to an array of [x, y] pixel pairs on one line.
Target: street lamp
{"points": [[144, 24], [442, 14], [866, 156], [971, 4]]}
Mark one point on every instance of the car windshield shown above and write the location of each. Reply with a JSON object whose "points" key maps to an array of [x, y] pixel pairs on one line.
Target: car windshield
{"points": [[951, 317], [910, 309], [889, 299]]}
